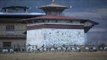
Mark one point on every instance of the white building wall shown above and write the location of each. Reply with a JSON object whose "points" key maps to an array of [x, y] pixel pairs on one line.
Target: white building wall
{"points": [[49, 37], [35, 37]]}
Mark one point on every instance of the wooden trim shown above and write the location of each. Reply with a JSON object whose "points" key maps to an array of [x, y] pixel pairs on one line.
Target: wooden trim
{"points": [[8, 38], [56, 26]]}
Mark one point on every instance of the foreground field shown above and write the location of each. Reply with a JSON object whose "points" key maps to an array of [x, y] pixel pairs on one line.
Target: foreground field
{"points": [[56, 56]]}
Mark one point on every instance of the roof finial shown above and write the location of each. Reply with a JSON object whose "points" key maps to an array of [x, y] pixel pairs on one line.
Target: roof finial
{"points": [[53, 1]]}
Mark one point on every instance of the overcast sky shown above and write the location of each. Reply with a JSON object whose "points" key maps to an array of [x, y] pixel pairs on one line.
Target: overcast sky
{"points": [[95, 10]]}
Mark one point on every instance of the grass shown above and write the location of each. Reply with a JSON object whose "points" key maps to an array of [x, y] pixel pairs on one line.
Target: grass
{"points": [[56, 56]]}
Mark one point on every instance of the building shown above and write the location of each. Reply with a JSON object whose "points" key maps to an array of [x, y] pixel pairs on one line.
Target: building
{"points": [[20, 29], [53, 29], [12, 31]]}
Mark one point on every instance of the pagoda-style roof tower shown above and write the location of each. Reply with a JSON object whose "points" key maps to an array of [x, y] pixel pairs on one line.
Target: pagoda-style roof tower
{"points": [[53, 13], [15, 8], [53, 8]]}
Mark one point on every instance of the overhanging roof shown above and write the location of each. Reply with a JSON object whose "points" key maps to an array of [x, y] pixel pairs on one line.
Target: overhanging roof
{"points": [[15, 17], [20, 15], [50, 17]]}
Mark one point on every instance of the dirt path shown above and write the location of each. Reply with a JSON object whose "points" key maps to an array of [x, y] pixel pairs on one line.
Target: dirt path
{"points": [[56, 56]]}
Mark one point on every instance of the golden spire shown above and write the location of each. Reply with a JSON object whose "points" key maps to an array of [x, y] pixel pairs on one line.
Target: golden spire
{"points": [[53, 1]]}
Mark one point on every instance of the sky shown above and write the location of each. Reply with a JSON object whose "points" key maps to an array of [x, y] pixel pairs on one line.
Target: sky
{"points": [[95, 10]]}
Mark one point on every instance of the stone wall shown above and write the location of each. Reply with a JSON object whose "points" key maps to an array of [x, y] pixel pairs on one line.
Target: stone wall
{"points": [[49, 37]]}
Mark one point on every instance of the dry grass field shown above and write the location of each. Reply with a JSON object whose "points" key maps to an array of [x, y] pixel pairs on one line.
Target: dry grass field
{"points": [[56, 56]]}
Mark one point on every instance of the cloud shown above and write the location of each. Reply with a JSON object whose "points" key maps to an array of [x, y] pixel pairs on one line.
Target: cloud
{"points": [[98, 30], [84, 15], [102, 11], [90, 14]]}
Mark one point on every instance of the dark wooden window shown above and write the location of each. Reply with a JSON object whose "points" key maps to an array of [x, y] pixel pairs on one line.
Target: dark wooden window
{"points": [[6, 44], [10, 28]]}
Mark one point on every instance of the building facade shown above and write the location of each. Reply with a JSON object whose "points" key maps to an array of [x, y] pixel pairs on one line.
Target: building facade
{"points": [[20, 30], [12, 31], [56, 30], [12, 35]]}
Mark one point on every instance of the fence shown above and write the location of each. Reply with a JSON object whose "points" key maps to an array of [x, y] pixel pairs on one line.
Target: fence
{"points": [[63, 48]]}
